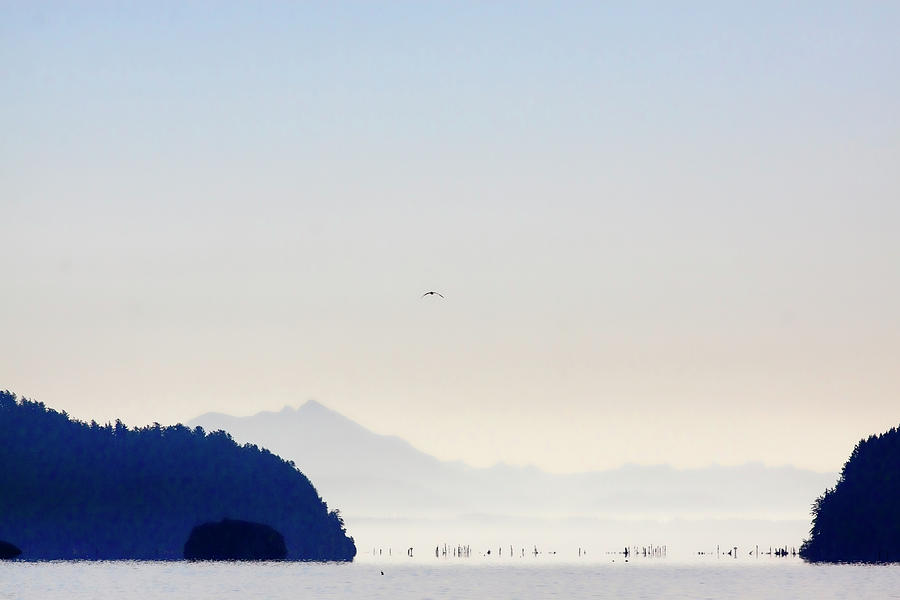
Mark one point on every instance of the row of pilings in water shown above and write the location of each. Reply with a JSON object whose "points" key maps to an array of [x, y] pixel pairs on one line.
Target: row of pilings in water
{"points": [[733, 551], [651, 551], [643, 551]]}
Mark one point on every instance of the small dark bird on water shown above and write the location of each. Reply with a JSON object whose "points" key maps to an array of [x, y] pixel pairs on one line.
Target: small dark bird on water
{"points": [[432, 294]]}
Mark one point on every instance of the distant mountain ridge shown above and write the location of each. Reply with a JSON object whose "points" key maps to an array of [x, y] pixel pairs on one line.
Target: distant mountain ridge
{"points": [[379, 476]]}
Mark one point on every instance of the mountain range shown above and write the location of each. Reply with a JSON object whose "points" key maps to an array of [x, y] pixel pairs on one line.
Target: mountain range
{"points": [[368, 475]]}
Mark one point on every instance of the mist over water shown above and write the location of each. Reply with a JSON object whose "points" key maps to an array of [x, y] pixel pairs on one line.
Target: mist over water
{"points": [[393, 496]]}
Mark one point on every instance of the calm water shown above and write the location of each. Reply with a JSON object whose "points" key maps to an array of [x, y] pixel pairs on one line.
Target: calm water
{"points": [[480, 579]]}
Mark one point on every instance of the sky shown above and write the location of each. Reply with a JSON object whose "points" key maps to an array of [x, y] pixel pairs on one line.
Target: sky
{"points": [[665, 232]]}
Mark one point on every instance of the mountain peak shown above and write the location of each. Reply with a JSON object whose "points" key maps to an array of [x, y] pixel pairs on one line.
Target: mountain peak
{"points": [[314, 406], [314, 412]]}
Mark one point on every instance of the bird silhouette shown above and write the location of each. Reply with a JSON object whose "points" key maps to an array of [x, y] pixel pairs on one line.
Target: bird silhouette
{"points": [[432, 294]]}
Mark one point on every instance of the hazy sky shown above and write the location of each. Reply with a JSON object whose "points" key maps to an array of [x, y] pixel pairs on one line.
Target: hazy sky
{"points": [[666, 232]]}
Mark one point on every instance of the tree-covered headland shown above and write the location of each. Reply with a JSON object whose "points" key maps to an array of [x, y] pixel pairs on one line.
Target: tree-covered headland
{"points": [[859, 519], [70, 489]]}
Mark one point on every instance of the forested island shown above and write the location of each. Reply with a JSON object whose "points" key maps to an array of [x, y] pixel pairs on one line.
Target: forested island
{"points": [[859, 519], [75, 490]]}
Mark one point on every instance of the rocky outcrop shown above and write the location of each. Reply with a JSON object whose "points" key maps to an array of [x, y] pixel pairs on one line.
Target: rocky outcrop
{"points": [[7, 550], [234, 540]]}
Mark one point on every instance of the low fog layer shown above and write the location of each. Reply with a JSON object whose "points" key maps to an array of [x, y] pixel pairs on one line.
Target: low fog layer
{"points": [[382, 484]]}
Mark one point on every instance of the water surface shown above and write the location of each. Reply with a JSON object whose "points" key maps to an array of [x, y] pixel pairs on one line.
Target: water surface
{"points": [[713, 579]]}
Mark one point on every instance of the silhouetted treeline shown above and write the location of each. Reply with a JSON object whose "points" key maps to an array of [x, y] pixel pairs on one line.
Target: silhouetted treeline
{"points": [[70, 489], [859, 519]]}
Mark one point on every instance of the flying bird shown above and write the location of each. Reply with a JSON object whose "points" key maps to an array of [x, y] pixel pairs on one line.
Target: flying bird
{"points": [[432, 294]]}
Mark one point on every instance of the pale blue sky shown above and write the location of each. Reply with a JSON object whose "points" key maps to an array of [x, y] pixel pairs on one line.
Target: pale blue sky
{"points": [[666, 233]]}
